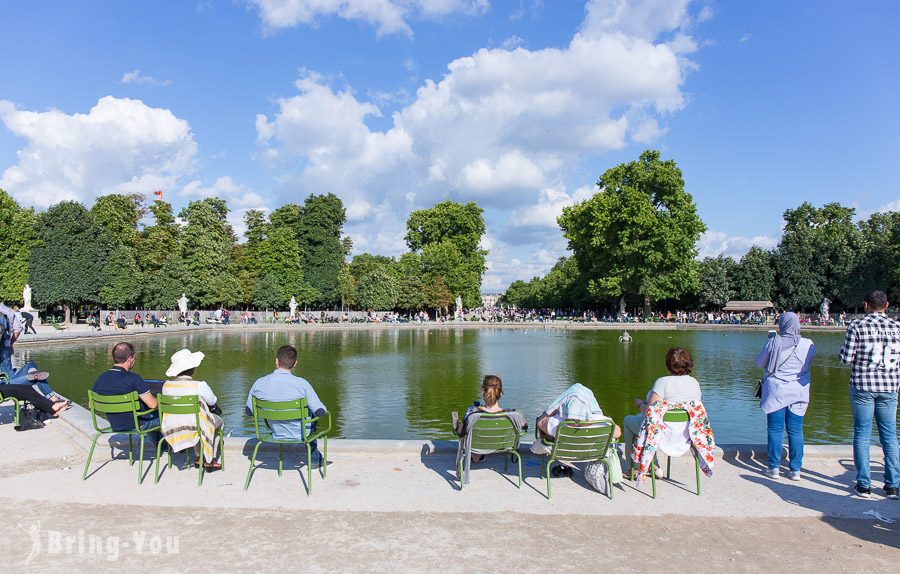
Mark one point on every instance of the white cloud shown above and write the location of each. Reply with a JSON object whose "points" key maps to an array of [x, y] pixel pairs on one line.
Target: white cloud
{"points": [[512, 42], [538, 221], [119, 146], [387, 16], [512, 171], [136, 77], [715, 243], [506, 128], [891, 206], [745, 38]]}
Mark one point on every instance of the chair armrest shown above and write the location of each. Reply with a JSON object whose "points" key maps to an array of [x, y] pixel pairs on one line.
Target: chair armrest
{"points": [[321, 432], [147, 412]]}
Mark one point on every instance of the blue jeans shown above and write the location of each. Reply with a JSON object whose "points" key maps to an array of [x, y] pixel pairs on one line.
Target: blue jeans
{"points": [[883, 406], [775, 423], [20, 377]]}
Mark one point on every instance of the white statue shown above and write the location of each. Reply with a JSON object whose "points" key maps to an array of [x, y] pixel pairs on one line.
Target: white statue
{"points": [[825, 308], [183, 303], [459, 307], [293, 306], [26, 297]]}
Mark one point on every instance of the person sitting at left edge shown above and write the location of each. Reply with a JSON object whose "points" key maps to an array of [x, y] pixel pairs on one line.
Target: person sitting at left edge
{"points": [[120, 380]]}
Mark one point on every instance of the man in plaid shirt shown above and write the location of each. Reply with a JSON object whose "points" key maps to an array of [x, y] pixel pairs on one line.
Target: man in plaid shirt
{"points": [[872, 348]]}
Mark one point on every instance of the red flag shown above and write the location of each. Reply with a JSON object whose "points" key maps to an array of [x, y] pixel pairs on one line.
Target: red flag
{"points": [[158, 195]]}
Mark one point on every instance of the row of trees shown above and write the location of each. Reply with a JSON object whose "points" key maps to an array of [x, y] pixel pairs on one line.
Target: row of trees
{"points": [[635, 242], [123, 253]]}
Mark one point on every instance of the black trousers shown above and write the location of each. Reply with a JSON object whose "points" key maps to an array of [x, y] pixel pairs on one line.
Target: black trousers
{"points": [[27, 393]]}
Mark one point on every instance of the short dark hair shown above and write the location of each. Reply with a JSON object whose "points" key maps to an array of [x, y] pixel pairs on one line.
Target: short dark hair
{"points": [[679, 361], [286, 357], [876, 299], [122, 352]]}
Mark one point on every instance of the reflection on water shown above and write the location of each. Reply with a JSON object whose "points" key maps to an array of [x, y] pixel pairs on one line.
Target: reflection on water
{"points": [[403, 383]]}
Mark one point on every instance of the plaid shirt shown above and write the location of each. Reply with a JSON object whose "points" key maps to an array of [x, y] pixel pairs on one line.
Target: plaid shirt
{"points": [[872, 348]]}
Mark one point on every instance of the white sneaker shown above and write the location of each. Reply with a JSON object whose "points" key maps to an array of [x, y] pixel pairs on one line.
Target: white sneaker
{"points": [[794, 475], [772, 473], [538, 447]]}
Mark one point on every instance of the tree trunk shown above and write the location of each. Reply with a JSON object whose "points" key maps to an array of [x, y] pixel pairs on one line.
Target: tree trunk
{"points": [[647, 309]]}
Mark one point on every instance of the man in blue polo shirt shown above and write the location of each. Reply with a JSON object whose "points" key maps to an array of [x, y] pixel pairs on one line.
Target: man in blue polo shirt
{"points": [[282, 385], [119, 380]]}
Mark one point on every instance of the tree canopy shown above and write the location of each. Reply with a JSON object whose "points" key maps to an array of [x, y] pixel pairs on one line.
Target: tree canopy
{"points": [[638, 234]]}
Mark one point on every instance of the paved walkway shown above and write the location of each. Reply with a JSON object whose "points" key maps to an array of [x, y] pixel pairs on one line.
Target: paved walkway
{"points": [[394, 505]]}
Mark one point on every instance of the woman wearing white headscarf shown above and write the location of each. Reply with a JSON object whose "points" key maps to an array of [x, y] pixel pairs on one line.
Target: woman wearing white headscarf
{"points": [[786, 358]]}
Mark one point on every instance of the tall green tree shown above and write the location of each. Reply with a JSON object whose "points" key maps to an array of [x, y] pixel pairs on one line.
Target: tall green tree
{"points": [[319, 237], [160, 259], [375, 281], [207, 249], [69, 267], [818, 251], [119, 215], [754, 276], [18, 237], [410, 282], [716, 280], [638, 234], [448, 236], [878, 264]]}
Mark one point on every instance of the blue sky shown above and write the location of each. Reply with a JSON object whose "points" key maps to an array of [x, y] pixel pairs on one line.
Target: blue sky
{"points": [[397, 104]]}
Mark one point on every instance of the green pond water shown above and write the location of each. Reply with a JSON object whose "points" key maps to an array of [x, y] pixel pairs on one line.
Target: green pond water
{"points": [[403, 383]]}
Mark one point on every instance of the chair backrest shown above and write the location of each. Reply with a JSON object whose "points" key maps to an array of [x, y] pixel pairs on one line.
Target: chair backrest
{"points": [[178, 405], [582, 441], [293, 410], [676, 416], [493, 432], [112, 404]]}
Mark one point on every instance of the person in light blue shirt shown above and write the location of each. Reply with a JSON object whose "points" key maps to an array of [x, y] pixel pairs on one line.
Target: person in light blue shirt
{"points": [[786, 358], [283, 385]]}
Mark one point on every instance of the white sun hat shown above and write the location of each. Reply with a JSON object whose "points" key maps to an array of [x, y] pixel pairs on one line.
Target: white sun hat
{"points": [[184, 360]]}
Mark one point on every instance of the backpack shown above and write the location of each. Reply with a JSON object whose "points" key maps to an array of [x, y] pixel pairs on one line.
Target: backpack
{"points": [[4, 328]]}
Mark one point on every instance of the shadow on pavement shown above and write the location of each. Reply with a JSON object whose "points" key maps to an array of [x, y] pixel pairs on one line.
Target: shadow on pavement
{"points": [[843, 512]]}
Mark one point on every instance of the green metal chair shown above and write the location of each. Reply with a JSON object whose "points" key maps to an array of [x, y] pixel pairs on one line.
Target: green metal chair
{"points": [[185, 405], [493, 433], [674, 416], [295, 410], [4, 379], [110, 404], [580, 441]]}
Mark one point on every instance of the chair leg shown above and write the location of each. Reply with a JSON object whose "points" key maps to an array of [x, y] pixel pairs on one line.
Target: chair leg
{"points": [[653, 480], [609, 477], [519, 463], [141, 463], [130, 448], [668, 467], [201, 459], [547, 470], [156, 462], [252, 464], [280, 458], [87, 463], [324, 456], [308, 469], [697, 472], [459, 470], [222, 448]]}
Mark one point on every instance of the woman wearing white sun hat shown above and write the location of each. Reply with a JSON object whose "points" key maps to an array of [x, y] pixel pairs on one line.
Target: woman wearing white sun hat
{"points": [[180, 431]]}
